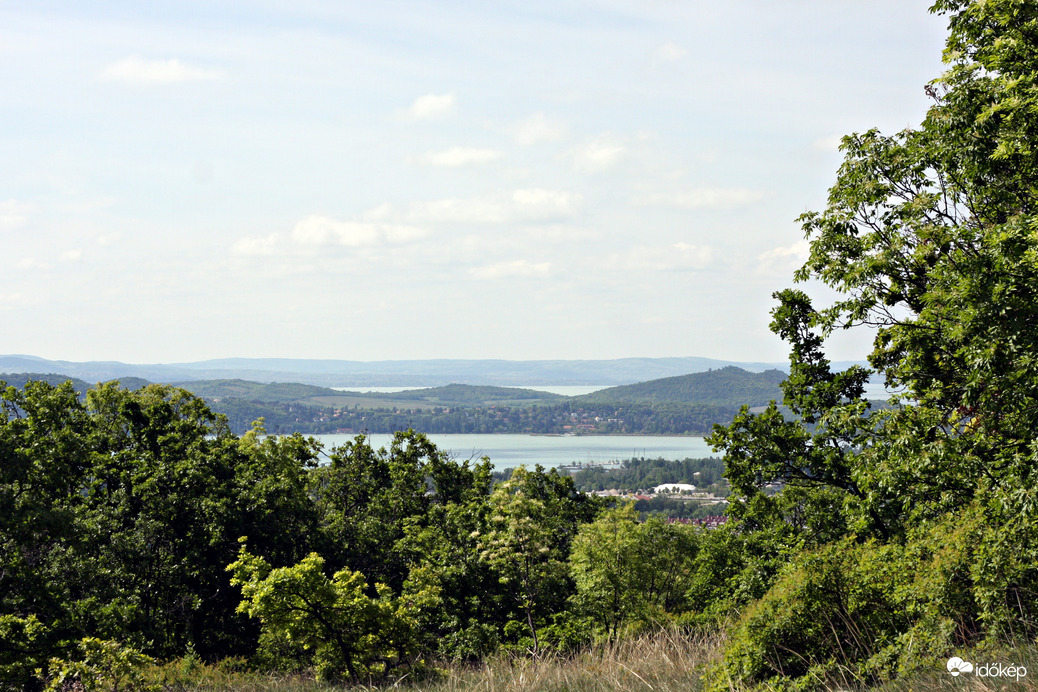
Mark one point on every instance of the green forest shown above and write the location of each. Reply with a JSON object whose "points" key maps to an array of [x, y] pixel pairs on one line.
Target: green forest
{"points": [[139, 534], [554, 419]]}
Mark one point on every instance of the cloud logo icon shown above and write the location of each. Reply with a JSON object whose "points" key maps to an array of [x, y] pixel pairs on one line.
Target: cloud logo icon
{"points": [[956, 665]]}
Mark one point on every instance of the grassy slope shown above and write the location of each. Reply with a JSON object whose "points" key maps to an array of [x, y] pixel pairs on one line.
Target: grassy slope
{"points": [[665, 661]]}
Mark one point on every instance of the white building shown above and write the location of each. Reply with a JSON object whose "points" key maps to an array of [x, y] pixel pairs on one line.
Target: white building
{"points": [[671, 488]]}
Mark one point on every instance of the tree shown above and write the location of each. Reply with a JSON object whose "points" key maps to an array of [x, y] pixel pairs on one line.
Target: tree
{"points": [[347, 631], [626, 570], [118, 515], [930, 238], [368, 496], [520, 545]]}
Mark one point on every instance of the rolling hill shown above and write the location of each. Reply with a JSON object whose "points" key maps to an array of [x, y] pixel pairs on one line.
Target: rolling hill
{"points": [[728, 386]]}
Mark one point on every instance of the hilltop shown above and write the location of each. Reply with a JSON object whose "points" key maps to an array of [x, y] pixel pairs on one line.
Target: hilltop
{"points": [[729, 386]]}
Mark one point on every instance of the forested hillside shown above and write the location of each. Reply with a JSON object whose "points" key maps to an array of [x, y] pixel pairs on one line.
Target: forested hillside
{"points": [[730, 386], [687, 405], [19, 380], [291, 407]]}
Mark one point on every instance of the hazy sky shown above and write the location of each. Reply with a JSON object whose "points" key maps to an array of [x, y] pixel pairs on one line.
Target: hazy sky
{"points": [[450, 179]]}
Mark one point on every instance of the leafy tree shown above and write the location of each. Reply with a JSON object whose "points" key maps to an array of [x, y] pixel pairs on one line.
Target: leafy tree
{"points": [[930, 237], [443, 553], [520, 544], [157, 514], [44, 457], [534, 517], [348, 632], [119, 514], [273, 479], [369, 499], [21, 650], [629, 571]]}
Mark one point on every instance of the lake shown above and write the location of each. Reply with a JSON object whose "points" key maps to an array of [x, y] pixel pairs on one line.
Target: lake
{"points": [[508, 451]]}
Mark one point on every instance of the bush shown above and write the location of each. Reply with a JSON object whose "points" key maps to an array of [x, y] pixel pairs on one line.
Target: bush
{"points": [[102, 666], [865, 612]]}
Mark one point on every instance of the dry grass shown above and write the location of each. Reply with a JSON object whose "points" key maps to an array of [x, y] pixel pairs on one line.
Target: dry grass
{"points": [[665, 661]]}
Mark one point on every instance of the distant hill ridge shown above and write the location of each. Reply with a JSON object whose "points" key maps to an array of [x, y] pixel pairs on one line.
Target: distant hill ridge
{"points": [[403, 373], [19, 379], [685, 405], [728, 386]]}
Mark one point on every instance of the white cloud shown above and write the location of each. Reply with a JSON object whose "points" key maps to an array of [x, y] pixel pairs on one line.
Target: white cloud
{"points": [[701, 198], [458, 156], [316, 231], [12, 300], [784, 259], [257, 246], [537, 203], [13, 213], [382, 212], [532, 204], [388, 225], [134, 70], [432, 106], [515, 268], [669, 52], [677, 257], [30, 263], [830, 143], [71, 255], [471, 210], [535, 129], [599, 154], [321, 230]]}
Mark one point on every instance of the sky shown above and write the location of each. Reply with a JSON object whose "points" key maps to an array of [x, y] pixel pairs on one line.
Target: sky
{"points": [[453, 179]]}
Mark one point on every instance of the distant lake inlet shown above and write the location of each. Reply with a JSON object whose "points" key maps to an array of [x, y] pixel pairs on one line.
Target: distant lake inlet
{"points": [[508, 451]]}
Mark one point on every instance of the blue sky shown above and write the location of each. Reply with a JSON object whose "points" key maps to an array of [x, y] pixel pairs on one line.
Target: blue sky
{"points": [[398, 180]]}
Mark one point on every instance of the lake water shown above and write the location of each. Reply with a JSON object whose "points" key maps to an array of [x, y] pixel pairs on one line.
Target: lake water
{"points": [[508, 451]]}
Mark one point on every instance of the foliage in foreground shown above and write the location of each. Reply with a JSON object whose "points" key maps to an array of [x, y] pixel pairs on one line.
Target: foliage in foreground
{"points": [[915, 528]]}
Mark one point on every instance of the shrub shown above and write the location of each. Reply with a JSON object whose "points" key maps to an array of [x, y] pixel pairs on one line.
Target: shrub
{"points": [[102, 665]]}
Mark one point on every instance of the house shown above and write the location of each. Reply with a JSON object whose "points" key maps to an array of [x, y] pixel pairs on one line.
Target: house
{"points": [[674, 488]]}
